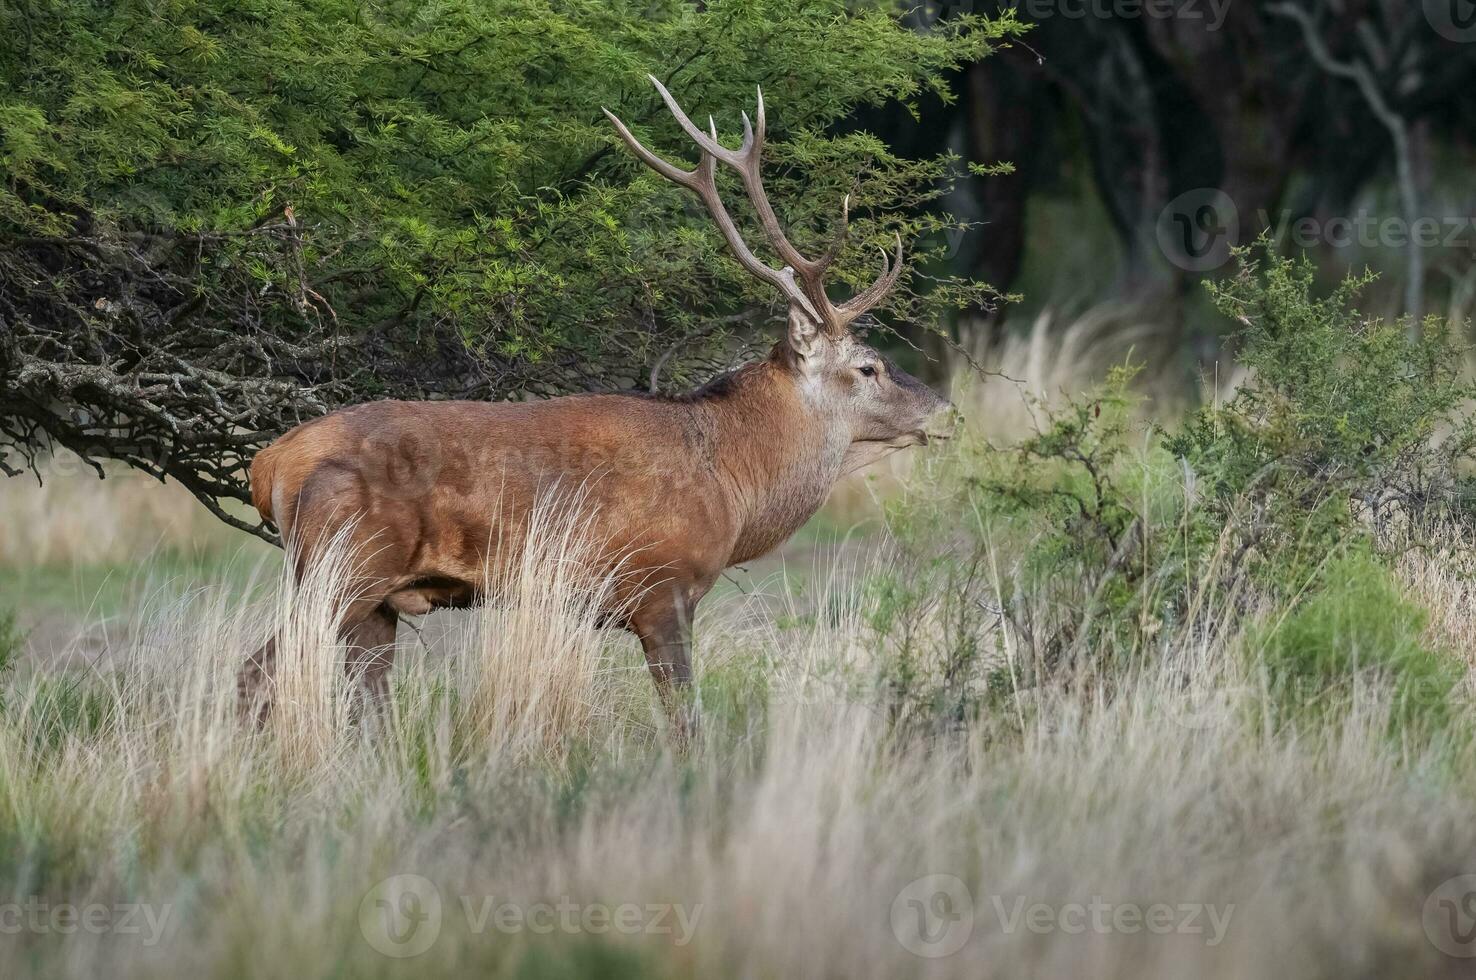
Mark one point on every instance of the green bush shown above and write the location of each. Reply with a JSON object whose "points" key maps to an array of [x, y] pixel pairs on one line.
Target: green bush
{"points": [[1350, 425], [1347, 441], [450, 163], [926, 616], [1356, 636]]}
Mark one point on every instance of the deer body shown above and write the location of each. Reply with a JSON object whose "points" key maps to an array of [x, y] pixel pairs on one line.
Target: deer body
{"points": [[435, 494], [685, 487]]}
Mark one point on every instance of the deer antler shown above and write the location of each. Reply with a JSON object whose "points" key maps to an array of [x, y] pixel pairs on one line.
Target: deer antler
{"points": [[802, 280]]}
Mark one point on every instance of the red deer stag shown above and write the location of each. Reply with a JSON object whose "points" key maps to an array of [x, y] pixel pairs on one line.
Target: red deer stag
{"points": [[682, 488]]}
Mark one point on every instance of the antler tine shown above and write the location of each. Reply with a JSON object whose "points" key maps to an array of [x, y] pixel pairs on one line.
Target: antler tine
{"points": [[759, 109], [746, 162], [839, 242], [685, 178], [703, 182], [693, 131], [802, 280], [877, 291]]}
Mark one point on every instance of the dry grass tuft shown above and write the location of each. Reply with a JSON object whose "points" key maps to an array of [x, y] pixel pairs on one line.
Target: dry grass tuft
{"points": [[535, 660], [1439, 577], [1032, 372]]}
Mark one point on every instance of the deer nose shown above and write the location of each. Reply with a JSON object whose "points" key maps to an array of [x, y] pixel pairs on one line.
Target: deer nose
{"points": [[944, 421]]}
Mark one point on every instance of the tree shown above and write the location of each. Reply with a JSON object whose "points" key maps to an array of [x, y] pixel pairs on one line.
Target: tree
{"points": [[220, 217], [1390, 68], [1161, 103]]}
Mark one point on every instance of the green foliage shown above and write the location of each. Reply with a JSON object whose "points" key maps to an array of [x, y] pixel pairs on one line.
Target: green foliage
{"points": [[1346, 442], [450, 162], [1056, 500], [728, 693], [66, 709], [1357, 637], [939, 663], [11, 638], [583, 957], [1348, 424], [1070, 476]]}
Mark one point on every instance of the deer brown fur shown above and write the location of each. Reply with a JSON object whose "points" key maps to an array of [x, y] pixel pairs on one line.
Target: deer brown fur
{"points": [[434, 493]]}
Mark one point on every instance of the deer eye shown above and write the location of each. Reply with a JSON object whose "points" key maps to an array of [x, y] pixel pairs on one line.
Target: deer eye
{"points": [[867, 371]]}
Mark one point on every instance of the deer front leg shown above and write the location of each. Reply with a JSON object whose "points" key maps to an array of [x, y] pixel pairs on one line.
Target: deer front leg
{"points": [[665, 632]]}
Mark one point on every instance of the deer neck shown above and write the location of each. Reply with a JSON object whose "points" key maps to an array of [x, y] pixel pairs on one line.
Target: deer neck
{"points": [[777, 453]]}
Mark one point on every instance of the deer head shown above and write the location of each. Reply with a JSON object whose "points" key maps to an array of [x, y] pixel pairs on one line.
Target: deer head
{"points": [[878, 406]]}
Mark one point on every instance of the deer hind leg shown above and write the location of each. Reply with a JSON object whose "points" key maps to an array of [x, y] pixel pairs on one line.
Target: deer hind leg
{"points": [[666, 637], [254, 684], [368, 633]]}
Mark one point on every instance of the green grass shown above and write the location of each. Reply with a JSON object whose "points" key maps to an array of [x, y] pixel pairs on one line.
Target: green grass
{"points": [[1357, 636], [91, 592]]}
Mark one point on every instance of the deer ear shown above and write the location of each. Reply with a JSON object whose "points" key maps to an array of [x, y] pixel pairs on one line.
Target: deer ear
{"points": [[805, 336]]}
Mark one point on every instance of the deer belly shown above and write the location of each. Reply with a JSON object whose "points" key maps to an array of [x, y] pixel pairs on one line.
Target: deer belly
{"points": [[433, 592]]}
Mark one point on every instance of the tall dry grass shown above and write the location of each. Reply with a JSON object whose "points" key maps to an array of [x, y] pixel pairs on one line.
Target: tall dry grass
{"points": [[525, 772], [1029, 372]]}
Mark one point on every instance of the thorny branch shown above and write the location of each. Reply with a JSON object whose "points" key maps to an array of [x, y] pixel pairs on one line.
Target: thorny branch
{"points": [[182, 354]]}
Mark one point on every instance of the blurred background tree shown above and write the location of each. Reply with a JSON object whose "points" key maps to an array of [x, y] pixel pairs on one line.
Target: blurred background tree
{"points": [[1150, 136]]}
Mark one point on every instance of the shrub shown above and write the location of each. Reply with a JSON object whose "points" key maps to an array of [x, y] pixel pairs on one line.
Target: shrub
{"points": [[1351, 424], [1348, 439]]}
